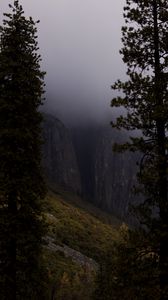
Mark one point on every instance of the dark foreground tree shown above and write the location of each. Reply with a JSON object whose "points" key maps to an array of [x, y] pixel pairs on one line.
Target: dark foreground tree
{"points": [[145, 98], [21, 184], [129, 271]]}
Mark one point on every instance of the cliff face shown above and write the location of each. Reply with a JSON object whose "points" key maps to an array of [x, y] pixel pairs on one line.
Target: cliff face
{"points": [[85, 143], [115, 175], [59, 157], [107, 177], [83, 161]]}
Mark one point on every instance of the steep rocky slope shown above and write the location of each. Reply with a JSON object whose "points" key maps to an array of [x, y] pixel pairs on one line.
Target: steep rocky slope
{"points": [[82, 160], [85, 143], [59, 157], [115, 174], [76, 243], [107, 177]]}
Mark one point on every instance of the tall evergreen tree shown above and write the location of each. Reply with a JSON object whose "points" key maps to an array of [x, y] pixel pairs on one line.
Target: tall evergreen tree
{"points": [[145, 97], [21, 184], [130, 269]]}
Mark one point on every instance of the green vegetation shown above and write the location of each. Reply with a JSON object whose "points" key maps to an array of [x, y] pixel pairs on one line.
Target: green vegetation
{"points": [[81, 253], [67, 280], [77, 228], [80, 230], [21, 184], [123, 263], [145, 99], [130, 271]]}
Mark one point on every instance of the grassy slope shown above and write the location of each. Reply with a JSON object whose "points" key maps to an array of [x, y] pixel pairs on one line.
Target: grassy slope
{"points": [[83, 228]]}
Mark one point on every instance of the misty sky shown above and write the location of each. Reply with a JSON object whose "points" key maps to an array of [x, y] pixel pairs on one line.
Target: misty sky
{"points": [[79, 42]]}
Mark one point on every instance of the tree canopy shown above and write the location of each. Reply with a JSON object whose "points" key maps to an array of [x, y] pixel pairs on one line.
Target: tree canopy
{"points": [[22, 186], [145, 99]]}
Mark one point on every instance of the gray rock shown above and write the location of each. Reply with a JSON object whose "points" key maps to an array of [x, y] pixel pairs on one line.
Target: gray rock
{"points": [[115, 175], [76, 256], [83, 161], [59, 159], [107, 177]]}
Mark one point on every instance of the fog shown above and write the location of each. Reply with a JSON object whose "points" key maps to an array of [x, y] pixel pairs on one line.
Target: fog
{"points": [[79, 43]]}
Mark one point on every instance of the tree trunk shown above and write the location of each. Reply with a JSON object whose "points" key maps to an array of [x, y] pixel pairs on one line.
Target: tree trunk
{"points": [[162, 165], [10, 283]]}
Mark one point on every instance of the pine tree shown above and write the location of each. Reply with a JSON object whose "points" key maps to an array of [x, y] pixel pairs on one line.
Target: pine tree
{"points": [[22, 188], [145, 98], [129, 271]]}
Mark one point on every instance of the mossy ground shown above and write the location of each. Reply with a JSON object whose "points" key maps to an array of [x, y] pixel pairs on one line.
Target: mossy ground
{"points": [[83, 229]]}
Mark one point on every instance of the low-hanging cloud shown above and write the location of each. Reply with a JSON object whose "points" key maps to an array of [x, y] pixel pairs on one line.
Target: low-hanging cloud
{"points": [[79, 43]]}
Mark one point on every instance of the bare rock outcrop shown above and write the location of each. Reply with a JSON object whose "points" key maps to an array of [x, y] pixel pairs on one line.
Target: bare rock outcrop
{"points": [[76, 256], [59, 159], [115, 175]]}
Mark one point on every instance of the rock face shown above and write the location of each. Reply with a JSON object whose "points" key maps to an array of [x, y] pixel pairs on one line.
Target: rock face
{"points": [[59, 157], [85, 143], [115, 175], [107, 177], [83, 161]]}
